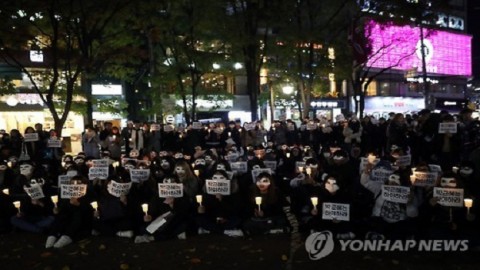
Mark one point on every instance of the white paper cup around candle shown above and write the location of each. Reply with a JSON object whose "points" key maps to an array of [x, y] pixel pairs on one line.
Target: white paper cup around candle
{"points": [[240, 130], [114, 137], [94, 205], [17, 205], [145, 208], [115, 164], [197, 172], [54, 199], [258, 201], [229, 134], [193, 165], [287, 155], [468, 203], [412, 179], [455, 169], [300, 169], [371, 158], [9, 164], [314, 202], [308, 170], [6, 191], [199, 199]]}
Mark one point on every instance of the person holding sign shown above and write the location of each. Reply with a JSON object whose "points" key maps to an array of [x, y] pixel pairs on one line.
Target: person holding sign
{"points": [[389, 218], [268, 216], [190, 182], [220, 212], [166, 217], [73, 217], [115, 214], [36, 212], [447, 145], [33, 144]]}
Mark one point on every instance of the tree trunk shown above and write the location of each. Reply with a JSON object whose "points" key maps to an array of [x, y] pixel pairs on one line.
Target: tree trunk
{"points": [[253, 84]]}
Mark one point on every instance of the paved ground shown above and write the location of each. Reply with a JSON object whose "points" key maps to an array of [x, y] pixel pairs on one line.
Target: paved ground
{"points": [[25, 251]]}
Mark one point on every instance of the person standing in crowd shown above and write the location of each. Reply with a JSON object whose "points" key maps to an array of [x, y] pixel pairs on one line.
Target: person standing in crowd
{"points": [[397, 132], [91, 143]]}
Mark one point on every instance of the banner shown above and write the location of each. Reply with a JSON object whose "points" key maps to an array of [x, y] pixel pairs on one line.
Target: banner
{"points": [[424, 179], [95, 173], [170, 190], [449, 196], [118, 189], [215, 187], [35, 192], [139, 175], [396, 194], [72, 191], [449, 127], [54, 143], [239, 166], [338, 211], [30, 137]]}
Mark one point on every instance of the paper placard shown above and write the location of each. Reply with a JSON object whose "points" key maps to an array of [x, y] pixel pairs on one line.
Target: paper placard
{"points": [[118, 189], [95, 173], [139, 175], [158, 222], [35, 192], [239, 166], [256, 172], [30, 137], [197, 125], [215, 187], [249, 126], [72, 173], [449, 127], [170, 190], [380, 174], [311, 126], [154, 127], [403, 161], [99, 163], [54, 143], [299, 164], [425, 179], [64, 179], [338, 211], [168, 128], [73, 191], [435, 168], [396, 194], [449, 196], [271, 165]]}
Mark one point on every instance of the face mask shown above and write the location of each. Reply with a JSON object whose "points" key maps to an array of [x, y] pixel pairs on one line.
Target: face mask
{"points": [[79, 161], [231, 126], [3, 167], [162, 154], [200, 162], [153, 155], [134, 153], [218, 177], [263, 184], [256, 167], [466, 171], [180, 171], [164, 164], [169, 181], [39, 182], [208, 159], [448, 182], [26, 169], [129, 167], [221, 167], [331, 186], [178, 156], [394, 179]]}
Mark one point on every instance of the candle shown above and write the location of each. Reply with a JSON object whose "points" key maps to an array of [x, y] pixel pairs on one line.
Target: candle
{"points": [[145, 208], [240, 130], [6, 191], [197, 172], [199, 199], [300, 169], [371, 158], [308, 170], [55, 200], [314, 202], [9, 164], [258, 201], [454, 169], [114, 137], [288, 155], [229, 134], [412, 179], [180, 136], [94, 205], [17, 205], [468, 203], [193, 165], [115, 164]]}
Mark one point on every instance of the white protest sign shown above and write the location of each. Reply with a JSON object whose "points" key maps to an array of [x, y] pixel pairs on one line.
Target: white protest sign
{"points": [[239, 166], [72, 191], [396, 194], [154, 127], [424, 179], [168, 128], [256, 172], [449, 127], [197, 125], [30, 137], [215, 187], [449, 196], [338, 211], [35, 192], [380, 174], [271, 165], [72, 173], [403, 161], [54, 143], [64, 179], [118, 189], [249, 126], [99, 162], [299, 164], [170, 190], [139, 175], [98, 173], [311, 126]]}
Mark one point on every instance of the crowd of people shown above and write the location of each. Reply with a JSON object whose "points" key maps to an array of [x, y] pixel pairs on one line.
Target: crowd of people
{"points": [[405, 177]]}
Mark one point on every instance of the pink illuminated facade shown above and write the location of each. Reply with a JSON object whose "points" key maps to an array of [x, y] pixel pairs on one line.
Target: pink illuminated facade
{"points": [[398, 47]]}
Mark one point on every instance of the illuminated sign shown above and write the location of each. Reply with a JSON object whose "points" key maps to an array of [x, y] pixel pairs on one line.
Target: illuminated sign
{"points": [[107, 89], [393, 104], [399, 47]]}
